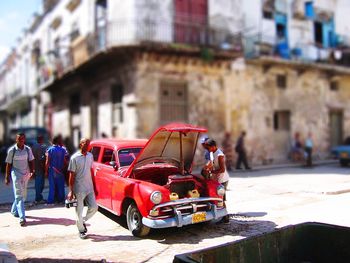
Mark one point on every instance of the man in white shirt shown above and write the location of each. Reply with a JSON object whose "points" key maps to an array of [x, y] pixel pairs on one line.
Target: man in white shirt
{"points": [[20, 166], [81, 186], [218, 171]]}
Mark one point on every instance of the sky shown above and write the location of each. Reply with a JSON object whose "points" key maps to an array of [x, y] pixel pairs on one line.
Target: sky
{"points": [[14, 17]]}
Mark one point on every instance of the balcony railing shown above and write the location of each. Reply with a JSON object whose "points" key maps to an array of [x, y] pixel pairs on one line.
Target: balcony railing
{"points": [[133, 32], [137, 32], [267, 45]]}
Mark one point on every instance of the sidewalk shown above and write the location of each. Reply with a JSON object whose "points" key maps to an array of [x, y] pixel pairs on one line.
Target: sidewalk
{"points": [[290, 164]]}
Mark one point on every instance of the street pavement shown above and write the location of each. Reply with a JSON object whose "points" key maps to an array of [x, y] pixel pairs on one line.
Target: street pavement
{"points": [[259, 201]]}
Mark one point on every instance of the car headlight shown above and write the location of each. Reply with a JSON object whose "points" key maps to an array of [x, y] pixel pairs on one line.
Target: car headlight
{"points": [[220, 190], [156, 197]]}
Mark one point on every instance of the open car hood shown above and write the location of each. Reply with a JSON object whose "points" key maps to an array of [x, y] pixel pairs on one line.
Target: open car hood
{"points": [[173, 143]]}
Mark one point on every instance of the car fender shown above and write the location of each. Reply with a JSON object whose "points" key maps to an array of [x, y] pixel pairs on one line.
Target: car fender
{"points": [[140, 192]]}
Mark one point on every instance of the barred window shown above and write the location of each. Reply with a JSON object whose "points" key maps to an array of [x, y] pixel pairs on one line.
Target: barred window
{"points": [[281, 81], [281, 120], [173, 102]]}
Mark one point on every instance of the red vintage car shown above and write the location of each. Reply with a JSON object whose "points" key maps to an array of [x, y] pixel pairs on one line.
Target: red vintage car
{"points": [[151, 182]]}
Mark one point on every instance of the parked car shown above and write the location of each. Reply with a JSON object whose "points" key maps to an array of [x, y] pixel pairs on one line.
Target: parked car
{"points": [[342, 152], [31, 133], [151, 182]]}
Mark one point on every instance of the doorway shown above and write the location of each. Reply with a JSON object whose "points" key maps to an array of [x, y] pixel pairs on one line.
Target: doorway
{"points": [[336, 127], [94, 114]]}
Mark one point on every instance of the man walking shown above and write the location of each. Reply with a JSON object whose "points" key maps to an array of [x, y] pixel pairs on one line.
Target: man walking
{"points": [[39, 150], [56, 161], [241, 151], [218, 169], [20, 165], [80, 185]]}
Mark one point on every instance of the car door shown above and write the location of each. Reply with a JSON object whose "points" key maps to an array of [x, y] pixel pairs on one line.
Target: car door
{"points": [[108, 175], [104, 174], [96, 150], [125, 157]]}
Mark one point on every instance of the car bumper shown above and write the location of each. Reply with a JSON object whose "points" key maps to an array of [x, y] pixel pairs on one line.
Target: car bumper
{"points": [[181, 220]]}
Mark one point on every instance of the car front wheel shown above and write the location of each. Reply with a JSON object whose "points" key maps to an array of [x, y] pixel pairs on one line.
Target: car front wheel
{"points": [[134, 221], [344, 162]]}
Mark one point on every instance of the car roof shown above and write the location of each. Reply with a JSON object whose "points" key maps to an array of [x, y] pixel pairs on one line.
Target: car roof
{"points": [[119, 143]]}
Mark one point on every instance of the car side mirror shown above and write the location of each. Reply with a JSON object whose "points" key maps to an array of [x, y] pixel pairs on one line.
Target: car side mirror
{"points": [[114, 165]]}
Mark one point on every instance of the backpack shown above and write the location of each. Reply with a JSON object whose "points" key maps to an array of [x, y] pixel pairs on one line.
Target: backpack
{"points": [[14, 151]]}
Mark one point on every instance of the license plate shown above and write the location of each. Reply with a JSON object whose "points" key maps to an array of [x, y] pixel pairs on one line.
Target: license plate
{"points": [[344, 155], [198, 217]]}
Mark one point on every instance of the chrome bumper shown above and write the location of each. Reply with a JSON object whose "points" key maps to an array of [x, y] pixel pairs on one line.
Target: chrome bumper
{"points": [[180, 220]]}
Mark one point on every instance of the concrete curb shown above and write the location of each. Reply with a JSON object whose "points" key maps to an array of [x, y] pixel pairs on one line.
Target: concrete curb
{"points": [[337, 192], [290, 165]]}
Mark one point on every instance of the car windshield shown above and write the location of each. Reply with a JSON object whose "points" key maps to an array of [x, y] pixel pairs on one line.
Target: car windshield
{"points": [[126, 156]]}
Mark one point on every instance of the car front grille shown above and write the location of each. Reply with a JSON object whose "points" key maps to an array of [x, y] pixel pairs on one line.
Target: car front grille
{"points": [[185, 209]]}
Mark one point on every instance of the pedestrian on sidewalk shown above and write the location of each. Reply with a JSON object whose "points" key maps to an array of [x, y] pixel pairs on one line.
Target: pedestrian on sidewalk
{"points": [[227, 147], [308, 149], [297, 148], [39, 151], [241, 152], [218, 170], [80, 185], [20, 166], [55, 167]]}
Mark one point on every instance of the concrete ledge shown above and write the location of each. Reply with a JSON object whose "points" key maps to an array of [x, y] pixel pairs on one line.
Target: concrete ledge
{"points": [[290, 165]]}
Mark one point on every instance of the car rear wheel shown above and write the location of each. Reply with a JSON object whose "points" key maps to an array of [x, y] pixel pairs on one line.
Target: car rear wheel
{"points": [[344, 162], [134, 221]]}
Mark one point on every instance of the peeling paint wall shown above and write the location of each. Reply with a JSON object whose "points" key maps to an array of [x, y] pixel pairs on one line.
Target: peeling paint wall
{"points": [[205, 87], [307, 97]]}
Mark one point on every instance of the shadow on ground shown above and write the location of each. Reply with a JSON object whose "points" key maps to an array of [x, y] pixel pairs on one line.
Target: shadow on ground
{"points": [[36, 220], [52, 260], [243, 224]]}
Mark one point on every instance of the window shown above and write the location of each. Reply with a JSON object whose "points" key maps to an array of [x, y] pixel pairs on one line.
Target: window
{"points": [[318, 33], [107, 156], [173, 102], [281, 31], [56, 23], [334, 86], [74, 32], [281, 120], [57, 47], [72, 5], [268, 8], [36, 53], [191, 19], [281, 81], [95, 152], [126, 156], [101, 23], [117, 98], [309, 10], [74, 104], [267, 14]]}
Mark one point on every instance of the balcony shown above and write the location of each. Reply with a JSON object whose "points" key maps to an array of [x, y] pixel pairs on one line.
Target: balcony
{"points": [[16, 100], [270, 46], [3, 101], [168, 35], [168, 32]]}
